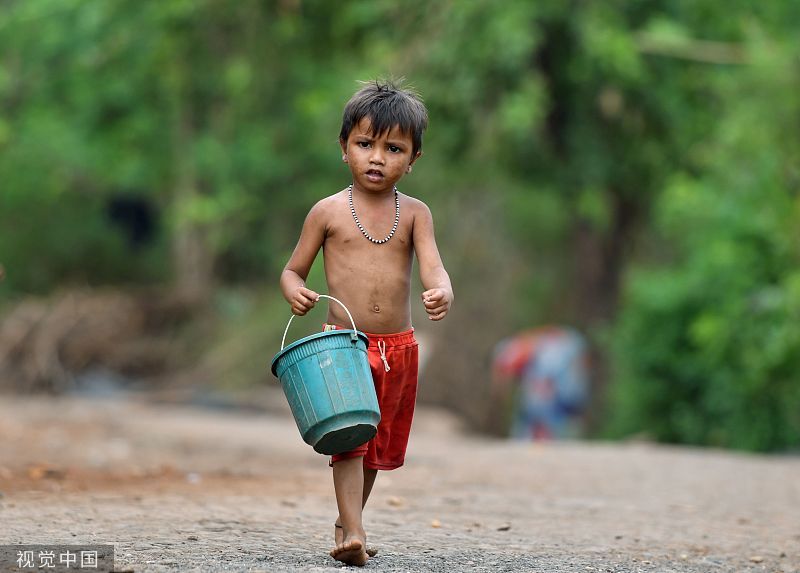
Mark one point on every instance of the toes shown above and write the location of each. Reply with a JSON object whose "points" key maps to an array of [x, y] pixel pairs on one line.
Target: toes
{"points": [[345, 547], [351, 545], [350, 552]]}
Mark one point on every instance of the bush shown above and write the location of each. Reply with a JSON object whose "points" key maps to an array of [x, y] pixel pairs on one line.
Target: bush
{"points": [[708, 350]]}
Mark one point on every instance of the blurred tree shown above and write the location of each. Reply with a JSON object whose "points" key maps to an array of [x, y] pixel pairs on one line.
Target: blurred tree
{"points": [[564, 117], [709, 341], [580, 114], [556, 127], [213, 110]]}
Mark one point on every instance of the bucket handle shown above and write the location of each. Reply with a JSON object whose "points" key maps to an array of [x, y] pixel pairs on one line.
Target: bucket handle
{"points": [[353, 336]]}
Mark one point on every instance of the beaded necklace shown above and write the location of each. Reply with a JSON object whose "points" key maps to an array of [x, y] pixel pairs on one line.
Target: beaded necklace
{"points": [[361, 227]]}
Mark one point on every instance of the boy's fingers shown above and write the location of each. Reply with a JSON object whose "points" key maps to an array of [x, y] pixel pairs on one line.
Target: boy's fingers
{"points": [[308, 294], [306, 300], [436, 310], [301, 305], [434, 299], [436, 303]]}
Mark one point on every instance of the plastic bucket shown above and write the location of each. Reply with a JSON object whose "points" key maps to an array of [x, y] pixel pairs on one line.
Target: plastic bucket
{"points": [[328, 384]]}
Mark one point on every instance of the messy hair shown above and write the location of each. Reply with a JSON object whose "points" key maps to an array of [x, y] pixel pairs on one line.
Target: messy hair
{"points": [[387, 104]]}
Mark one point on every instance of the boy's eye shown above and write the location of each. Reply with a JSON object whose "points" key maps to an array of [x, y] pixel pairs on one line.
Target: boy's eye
{"points": [[394, 149], [363, 144]]}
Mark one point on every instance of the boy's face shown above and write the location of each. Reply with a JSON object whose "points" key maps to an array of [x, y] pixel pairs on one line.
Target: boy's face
{"points": [[377, 161]]}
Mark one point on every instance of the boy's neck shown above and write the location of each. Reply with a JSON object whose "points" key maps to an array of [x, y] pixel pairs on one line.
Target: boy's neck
{"points": [[377, 194]]}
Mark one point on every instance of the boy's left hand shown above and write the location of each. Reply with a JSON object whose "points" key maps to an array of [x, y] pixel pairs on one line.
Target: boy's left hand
{"points": [[437, 302]]}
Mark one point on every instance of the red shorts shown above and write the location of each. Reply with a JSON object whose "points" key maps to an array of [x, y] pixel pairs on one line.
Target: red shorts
{"points": [[397, 394]]}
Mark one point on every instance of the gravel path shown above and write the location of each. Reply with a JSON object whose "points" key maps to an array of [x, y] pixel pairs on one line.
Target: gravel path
{"points": [[178, 488]]}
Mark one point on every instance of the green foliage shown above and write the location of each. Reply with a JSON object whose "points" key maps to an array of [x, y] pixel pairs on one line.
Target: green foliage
{"points": [[709, 350], [570, 143], [708, 345], [190, 105]]}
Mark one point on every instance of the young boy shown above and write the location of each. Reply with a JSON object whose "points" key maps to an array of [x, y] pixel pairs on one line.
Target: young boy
{"points": [[369, 233]]}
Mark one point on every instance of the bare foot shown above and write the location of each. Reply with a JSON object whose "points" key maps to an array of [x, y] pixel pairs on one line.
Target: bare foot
{"points": [[351, 551], [338, 537]]}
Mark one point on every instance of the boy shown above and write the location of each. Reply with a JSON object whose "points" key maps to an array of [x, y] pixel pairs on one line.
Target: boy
{"points": [[369, 233]]}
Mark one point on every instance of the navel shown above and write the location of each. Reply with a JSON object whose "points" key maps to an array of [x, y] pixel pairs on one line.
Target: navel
{"points": [[376, 308]]}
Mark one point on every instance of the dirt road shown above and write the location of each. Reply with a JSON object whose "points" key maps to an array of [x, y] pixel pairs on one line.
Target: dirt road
{"points": [[178, 488]]}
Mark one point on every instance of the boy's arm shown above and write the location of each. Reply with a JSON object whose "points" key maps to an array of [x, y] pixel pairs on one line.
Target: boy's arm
{"points": [[293, 277], [438, 295]]}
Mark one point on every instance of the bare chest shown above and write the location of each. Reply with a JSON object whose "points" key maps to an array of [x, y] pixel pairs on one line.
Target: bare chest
{"points": [[370, 237]]}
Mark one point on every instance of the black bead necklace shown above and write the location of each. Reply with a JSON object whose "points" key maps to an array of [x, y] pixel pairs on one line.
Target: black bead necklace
{"points": [[361, 227]]}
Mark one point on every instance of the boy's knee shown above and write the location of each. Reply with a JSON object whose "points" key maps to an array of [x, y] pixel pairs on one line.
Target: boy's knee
{"points": [[347, 457]]}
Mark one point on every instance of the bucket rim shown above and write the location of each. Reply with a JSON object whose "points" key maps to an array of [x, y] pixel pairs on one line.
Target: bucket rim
{"points": [[337, 332]]}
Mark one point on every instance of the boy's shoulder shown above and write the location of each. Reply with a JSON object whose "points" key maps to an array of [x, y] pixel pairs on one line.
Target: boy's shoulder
{"points": [[327, 205], [332, 200], [416, 206], [411, 202]]}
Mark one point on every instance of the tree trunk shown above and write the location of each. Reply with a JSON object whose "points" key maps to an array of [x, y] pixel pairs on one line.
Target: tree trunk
{"points": [[193, 258], [599, 259]]}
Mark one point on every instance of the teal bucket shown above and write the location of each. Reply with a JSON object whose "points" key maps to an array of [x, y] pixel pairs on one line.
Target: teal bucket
{"points": [[328, 383]]}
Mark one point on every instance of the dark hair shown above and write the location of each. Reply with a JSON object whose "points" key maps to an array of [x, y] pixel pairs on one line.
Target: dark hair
{"points": [[386, 103]]}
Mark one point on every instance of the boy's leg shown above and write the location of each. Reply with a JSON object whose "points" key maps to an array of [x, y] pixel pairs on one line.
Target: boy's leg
{"points": [[400, 394], [348, 481], [369, 481]]}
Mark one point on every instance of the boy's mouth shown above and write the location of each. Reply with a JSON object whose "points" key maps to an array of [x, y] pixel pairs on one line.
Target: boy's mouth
{"points": [[374, 175]]}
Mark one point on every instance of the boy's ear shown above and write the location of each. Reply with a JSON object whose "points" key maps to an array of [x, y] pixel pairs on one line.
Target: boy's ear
{"points": [[413, 159], [343, 145]]}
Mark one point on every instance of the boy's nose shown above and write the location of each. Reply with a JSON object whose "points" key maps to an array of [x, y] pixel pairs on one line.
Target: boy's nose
{"points": [[376, 157]]}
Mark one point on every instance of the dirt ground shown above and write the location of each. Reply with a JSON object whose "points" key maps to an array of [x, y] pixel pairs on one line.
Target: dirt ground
{"points": [[185, 488]]}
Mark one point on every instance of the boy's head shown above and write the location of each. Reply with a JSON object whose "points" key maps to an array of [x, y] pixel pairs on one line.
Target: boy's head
{"points": [[386, 104]]}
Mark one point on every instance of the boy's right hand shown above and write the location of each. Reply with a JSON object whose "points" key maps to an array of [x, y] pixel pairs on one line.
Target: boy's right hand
{"points": [[303, 300]]}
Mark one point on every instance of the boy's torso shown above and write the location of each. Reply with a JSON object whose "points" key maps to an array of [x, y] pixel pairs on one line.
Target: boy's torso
{"points": [[372, 280]]}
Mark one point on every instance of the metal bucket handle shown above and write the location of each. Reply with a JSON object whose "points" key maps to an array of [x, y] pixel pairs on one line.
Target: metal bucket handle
{"points": [[353, 335]]}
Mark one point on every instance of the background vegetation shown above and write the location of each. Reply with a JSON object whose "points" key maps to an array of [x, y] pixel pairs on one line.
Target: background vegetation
{"points": [[627, 167]]}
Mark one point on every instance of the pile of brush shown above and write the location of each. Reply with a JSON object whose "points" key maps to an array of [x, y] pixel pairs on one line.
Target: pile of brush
{"points": [[45, 343]]}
